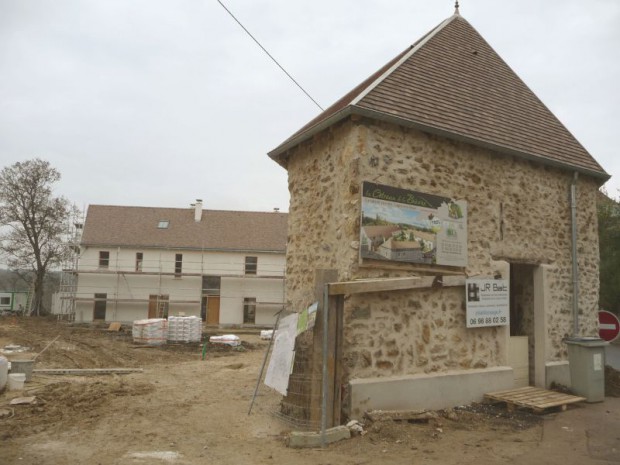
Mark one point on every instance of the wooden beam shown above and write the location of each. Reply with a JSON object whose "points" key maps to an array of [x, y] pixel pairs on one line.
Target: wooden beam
{"points": [[399, 415], [337, 334], [394, 284], [322, 277], [369, 263], [86, 371]]}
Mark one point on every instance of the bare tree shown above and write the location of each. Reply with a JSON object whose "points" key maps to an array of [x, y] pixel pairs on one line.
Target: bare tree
{"points": [[32, 222]]}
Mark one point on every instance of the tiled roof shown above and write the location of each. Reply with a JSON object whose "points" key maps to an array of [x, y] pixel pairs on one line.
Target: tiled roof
{"points": [[452, 83], [108, 225]]}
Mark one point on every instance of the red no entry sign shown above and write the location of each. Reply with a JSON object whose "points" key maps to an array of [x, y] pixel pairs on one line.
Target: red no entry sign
{"points": [[608, 326]]}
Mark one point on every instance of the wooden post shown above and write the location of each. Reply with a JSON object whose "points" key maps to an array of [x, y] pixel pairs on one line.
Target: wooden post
{"points": [[322, 277], [337, 334]]}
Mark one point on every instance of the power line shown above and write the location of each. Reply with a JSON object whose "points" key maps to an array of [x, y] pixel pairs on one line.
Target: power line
{"points": [[269, 55]]}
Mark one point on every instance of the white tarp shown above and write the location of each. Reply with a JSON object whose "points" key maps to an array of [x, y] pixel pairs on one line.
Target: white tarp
{"points": [[283, 354]]}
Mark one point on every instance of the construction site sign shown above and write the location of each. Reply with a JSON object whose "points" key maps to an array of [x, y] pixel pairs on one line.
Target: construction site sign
{"points": [[415, 227], [488, 302], [283, 354]]}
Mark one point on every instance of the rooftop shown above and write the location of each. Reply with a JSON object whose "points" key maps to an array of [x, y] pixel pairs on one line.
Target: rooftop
{"points": [[452, 83], [109, 225]]}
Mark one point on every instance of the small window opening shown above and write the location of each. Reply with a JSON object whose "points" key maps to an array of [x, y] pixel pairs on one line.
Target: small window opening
{"points": [[251, 265], [178, 264], [104, 259]]}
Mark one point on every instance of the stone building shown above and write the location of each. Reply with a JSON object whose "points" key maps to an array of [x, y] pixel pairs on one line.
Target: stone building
{"points": [[446, 117]]}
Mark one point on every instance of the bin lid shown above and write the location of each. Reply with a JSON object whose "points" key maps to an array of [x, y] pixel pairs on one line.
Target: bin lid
{"points": [[586, 341]]}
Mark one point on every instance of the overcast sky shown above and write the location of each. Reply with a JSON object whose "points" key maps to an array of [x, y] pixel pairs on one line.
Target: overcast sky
{"points": [[159, 102]]}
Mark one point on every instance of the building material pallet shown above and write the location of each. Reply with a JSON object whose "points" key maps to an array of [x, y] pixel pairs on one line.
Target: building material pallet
{"points": [[536, 399]]}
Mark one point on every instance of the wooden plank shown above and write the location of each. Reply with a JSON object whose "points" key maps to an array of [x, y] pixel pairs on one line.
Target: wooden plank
{"points": [[510, 391], [369, 263], [398, 415], [394, 284], [562, 401], [86, 371]]}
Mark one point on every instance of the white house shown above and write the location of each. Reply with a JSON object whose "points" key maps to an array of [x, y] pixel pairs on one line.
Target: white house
{"points": [[138, 262], [13, 301]]}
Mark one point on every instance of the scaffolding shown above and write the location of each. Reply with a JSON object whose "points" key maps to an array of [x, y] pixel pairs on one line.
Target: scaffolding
{"points": [[68, 277], [124, 278]]}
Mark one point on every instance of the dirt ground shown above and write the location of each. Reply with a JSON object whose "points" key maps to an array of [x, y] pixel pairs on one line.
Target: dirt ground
{"points": [[185, 410]]}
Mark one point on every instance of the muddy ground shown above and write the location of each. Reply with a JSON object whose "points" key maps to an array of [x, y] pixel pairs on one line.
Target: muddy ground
{"points": [[185, 410]]}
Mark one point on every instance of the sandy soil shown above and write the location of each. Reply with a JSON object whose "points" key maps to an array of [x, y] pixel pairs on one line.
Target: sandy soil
{"points": [[185, 410]]}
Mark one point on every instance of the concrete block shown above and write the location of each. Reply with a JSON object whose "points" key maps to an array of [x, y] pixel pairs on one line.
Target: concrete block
{"points": [[427, 391], [557, 372], [300, 439]]}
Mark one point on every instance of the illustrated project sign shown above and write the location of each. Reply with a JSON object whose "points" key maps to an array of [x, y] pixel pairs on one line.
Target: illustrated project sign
{"points": [[408, 226], [282, 355], [488, 302]]}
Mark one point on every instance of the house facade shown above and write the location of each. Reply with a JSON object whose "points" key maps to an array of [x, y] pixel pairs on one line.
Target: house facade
{"points": [[446, 118], [137, 262], [13, 301]]}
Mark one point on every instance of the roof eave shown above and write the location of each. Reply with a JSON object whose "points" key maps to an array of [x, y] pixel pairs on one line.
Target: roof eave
{"points": [[279, 153]]}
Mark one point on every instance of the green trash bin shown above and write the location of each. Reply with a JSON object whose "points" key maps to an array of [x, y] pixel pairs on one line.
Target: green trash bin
{"points": [[586, 356]]}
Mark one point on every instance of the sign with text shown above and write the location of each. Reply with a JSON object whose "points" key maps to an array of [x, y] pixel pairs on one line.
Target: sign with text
{"points": [[488, 302], [408, 226]]}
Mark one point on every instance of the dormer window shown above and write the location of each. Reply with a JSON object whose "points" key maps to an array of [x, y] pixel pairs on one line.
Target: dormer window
{"points": [[163, 224]]}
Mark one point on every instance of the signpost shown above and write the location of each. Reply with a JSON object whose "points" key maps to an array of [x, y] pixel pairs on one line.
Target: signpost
{"points": [[609, 326], [488, 302]]}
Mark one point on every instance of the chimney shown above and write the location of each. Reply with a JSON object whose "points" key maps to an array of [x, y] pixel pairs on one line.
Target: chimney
{"points": [[198, 210]]}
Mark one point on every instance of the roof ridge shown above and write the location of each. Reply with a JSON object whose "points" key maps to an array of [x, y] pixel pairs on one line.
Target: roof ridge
{"points": [[417, 46], [186, 209]]}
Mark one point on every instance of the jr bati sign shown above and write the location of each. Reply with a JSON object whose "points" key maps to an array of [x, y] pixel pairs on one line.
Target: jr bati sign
{"points": [[488, 302]]}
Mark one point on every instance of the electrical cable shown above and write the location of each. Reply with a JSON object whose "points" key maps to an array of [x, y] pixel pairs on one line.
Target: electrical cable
{"points": [[269, 55]]}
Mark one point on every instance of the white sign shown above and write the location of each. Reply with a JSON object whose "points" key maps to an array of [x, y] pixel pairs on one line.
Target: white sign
{"points": [[283, 354], [488, 302]]}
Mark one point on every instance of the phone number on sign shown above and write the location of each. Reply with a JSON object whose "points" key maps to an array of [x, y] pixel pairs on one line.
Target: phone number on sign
{"points": [[495, 320]]}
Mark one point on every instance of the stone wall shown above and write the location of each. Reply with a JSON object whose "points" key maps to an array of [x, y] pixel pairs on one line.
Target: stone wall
{"points": [[518, 211]]}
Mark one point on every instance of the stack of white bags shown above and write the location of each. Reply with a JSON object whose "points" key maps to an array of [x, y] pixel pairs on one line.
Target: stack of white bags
{"points": [[152, 331], [184, 329]]}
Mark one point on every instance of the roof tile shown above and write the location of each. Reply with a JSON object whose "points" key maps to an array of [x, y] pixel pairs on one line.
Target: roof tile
{"points": [[455, 83], [108, 225]]}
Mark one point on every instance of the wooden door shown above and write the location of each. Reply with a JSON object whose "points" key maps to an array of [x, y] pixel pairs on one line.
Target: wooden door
{"points": [[213, 310], [100, 306], [153, 306], [158, 306], [518, 359]]}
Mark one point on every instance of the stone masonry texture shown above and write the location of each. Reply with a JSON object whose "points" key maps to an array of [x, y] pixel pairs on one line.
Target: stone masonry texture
{"points": [[518, 212]]}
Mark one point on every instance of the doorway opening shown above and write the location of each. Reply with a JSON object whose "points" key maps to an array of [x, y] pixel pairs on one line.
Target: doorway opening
{"points": [[100, 306], [522, 342]]}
